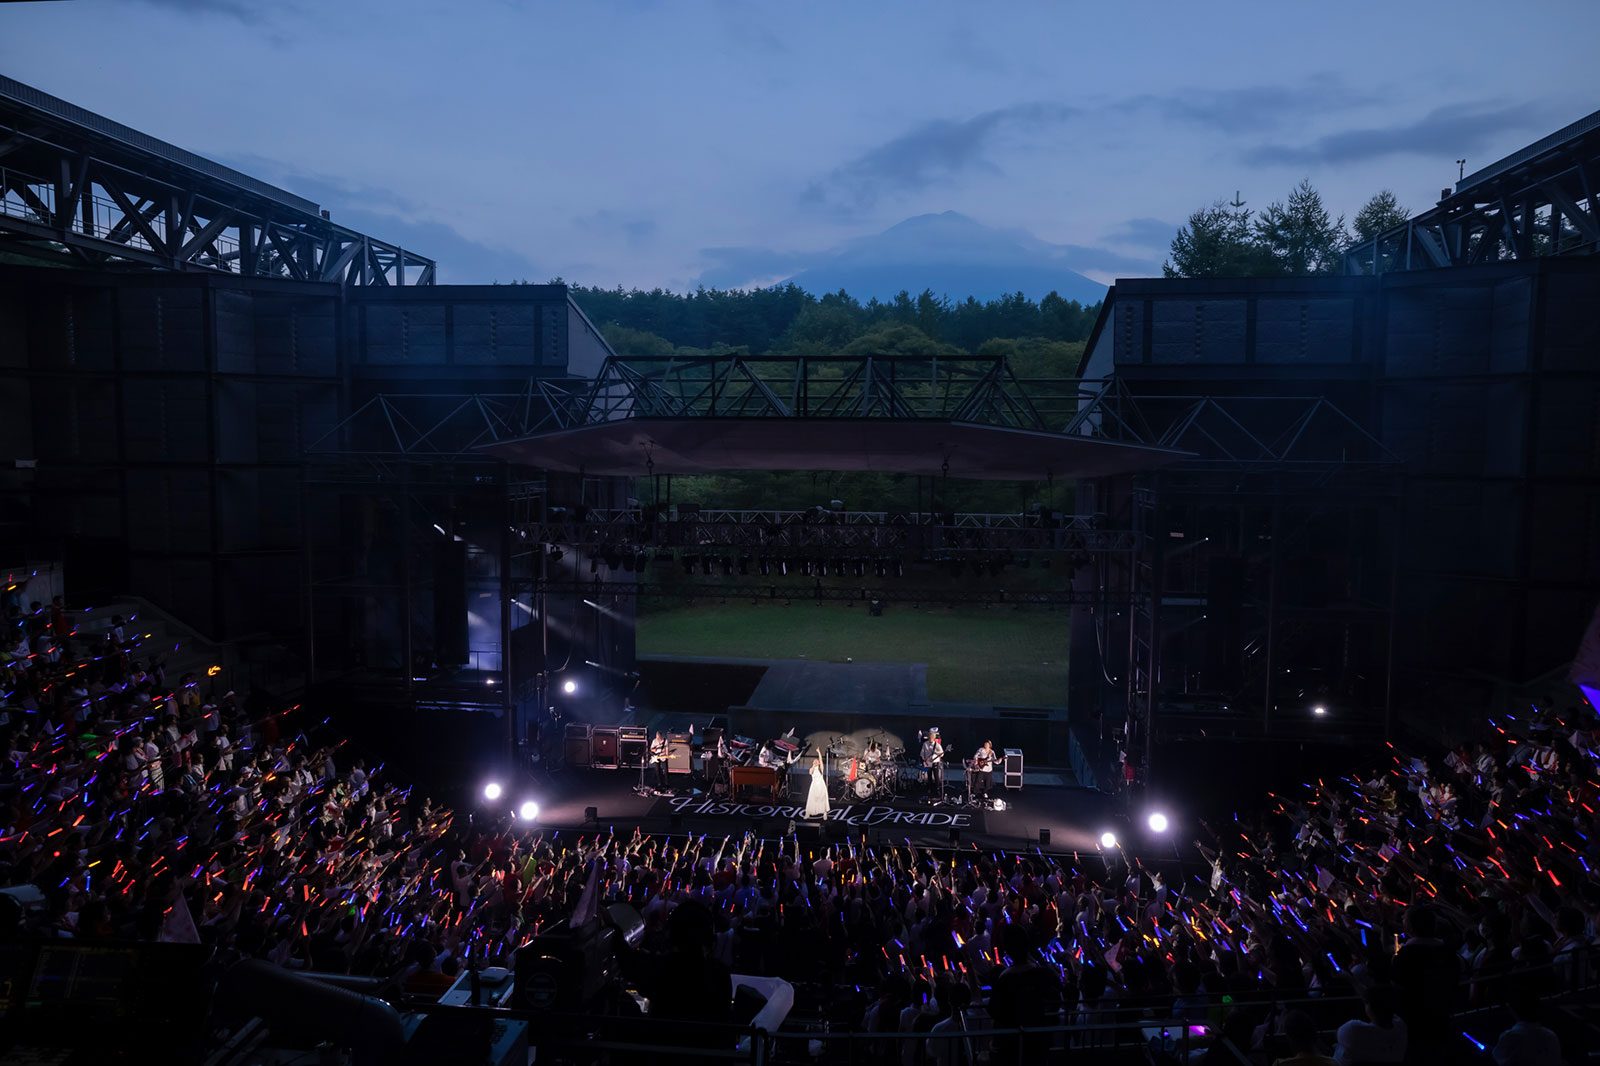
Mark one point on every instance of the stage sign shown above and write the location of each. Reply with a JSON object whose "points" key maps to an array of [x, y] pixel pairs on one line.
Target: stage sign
{"points": [[862, 816]]}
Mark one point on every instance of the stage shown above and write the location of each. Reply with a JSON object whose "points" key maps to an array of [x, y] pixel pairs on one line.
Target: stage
{"points": [[1074, 817]]}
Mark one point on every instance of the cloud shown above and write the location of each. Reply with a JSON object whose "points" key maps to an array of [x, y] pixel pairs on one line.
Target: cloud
{"points": [[1250, 107], [1093, 259], [636, 231], [930, 152], [388, 216], [745, 267], [1447, 132], [1143, 233], [246, 11]]}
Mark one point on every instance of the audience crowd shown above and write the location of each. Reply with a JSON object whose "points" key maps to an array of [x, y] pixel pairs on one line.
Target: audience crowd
{"points": [[1382, 907]]}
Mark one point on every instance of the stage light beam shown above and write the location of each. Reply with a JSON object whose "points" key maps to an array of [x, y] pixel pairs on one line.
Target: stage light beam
{"points": [[1319, 710], [492, 791], [1157, 822], [1108, 840], [529, 811], [569, 687]]}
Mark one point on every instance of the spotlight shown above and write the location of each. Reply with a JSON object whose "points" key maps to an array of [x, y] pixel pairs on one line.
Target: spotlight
{"points": [[1157, 822], [569, 687], [491, 791], [1319, 709], [528, 811], [1108, 840]]}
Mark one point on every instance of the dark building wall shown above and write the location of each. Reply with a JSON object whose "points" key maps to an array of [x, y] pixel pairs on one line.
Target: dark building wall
{"points": [[1491, 393], [1484, 381], [168, 417]]}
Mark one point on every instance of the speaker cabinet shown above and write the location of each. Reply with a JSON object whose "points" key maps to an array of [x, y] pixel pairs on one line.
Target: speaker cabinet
{"points": [[679, 752], [604, 748], [1013, 768], [575, 747], [633, 745]]}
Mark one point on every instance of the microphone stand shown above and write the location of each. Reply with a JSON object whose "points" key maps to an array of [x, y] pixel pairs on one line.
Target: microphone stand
{"points": [[644, 761]]}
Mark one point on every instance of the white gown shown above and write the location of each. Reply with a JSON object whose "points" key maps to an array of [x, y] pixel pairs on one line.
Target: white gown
{"points": [[817, 797]]}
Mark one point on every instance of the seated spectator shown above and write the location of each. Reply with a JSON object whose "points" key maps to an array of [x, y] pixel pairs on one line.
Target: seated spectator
{"points": [[1300, 1032], [1378, 1038], [1527, 1042]]}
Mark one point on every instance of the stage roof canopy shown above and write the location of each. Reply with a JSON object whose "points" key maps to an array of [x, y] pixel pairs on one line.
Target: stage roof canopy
{"points": [[702, 445]]}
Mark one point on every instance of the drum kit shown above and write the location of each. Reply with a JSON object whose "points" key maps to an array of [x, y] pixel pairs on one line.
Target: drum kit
{"points": [[876, 771]]}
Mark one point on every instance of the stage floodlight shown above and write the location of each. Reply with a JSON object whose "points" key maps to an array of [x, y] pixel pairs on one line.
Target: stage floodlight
{"points": [[1319, 710], [1108, 840], [492, 791], [569, 686], [528, 811], [1157, 822]]}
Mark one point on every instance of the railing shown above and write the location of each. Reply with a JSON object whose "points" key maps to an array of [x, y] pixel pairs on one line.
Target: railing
{"points": [[107, 220], [1085, 1033]]}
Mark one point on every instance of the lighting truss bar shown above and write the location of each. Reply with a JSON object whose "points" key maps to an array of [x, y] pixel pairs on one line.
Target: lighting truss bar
{"points": [[864, 530], [976, 389], [777, 593]]}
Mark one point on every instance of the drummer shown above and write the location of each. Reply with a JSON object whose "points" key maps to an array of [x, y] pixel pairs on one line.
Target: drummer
{"points": [[874, 753]]}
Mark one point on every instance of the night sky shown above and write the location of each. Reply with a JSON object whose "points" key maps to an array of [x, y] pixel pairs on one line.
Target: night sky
{"points": [[655, 143]]}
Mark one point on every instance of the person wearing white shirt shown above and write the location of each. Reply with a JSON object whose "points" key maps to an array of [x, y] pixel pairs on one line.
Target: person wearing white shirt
{"points": [[943, 1046]]}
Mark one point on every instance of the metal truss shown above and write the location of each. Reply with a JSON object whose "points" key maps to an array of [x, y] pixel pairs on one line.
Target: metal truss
{"points": [[79, 189], [598, 591], [1542, 200], [868, 531], [1234, 433], [973, 389], [449, 424]]}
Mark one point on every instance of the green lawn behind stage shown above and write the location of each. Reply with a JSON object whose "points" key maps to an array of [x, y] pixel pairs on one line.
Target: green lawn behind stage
{"points": [[999, 655]]}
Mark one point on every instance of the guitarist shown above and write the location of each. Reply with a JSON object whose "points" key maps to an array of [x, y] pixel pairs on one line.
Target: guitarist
{"points": [[933, 763], [658, 760]]}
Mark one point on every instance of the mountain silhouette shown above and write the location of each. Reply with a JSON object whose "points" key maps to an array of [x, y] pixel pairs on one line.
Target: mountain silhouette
{"points": [[952, 255]]}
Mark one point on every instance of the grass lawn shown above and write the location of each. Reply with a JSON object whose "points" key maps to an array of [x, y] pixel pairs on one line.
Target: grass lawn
{"points": [[996, 656]]}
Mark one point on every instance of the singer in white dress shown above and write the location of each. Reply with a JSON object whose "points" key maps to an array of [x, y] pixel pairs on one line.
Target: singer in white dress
{"points": [[817, 797]]}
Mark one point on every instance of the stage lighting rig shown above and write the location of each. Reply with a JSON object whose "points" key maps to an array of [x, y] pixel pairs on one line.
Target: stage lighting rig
{"points": [[529, 811], [1108, 840], [569, 686], [1157, 821], [492, 791]]}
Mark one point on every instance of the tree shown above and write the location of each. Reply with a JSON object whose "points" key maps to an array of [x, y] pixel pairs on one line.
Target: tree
{"points": [[1216, 242], [1299, 237], [1379, 214], [894, 339]]}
